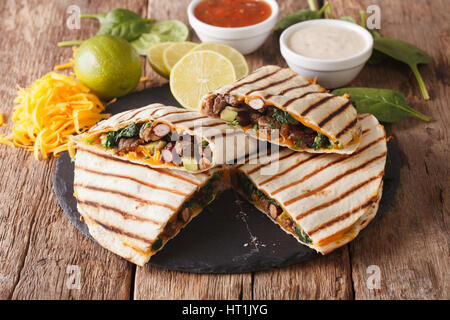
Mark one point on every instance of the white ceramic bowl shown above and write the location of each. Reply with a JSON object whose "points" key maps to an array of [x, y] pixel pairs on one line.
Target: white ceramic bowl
{"points": [[243, 39], [331, 73]]}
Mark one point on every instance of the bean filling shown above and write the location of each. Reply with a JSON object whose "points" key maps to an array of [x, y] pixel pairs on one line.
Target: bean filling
{"points": [[158, 142], [267, 120]]}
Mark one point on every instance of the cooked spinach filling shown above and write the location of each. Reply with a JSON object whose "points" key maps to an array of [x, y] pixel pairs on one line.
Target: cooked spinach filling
{"points": [[283, 116], [205, 195], [284, 219], [111, 139], [250, 189]]}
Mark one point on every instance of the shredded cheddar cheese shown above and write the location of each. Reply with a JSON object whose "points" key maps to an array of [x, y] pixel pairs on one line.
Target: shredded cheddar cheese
{"points": [[2, 120], [49, 111]]}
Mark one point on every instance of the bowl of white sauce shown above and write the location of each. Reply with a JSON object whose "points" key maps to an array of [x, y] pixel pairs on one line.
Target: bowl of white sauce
{"points": [[334, 51]]}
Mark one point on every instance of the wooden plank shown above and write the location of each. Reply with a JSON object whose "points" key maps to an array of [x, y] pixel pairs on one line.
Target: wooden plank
{"points": [[323, 278], [156, 283], [410, 242], [38, 241]]}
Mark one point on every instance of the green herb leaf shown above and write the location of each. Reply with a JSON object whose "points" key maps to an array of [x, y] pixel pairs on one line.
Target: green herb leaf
{"points": [[112, 138], [387, 105], [321, 141], [283, 116], [348, 19], [406, 53], [157, 244], [296, 17], [144, 42], [302, 236], [170, 30]]}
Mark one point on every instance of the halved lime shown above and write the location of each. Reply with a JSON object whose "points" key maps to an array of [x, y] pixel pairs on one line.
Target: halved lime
{"points": [[198, 73], [236, 58], [175, 52], [155, 58]]}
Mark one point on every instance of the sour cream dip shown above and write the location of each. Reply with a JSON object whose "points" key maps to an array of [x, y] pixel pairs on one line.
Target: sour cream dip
{"points": [[332, 50], [326, 42]]}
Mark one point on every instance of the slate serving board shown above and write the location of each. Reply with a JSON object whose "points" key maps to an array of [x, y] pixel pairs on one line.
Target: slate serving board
{"points": [[230, 235]]}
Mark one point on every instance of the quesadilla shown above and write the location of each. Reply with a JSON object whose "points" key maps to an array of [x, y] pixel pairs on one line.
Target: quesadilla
{"points": [[165, 136], [132, 209], [280, 106], [323, 200]]}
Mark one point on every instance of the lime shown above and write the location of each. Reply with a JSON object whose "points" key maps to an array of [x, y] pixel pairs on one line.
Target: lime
{"points": [[175, 52], [144, 42], [170, 30], [155, 58], [198, 73], [236, 58], [108, 65]]}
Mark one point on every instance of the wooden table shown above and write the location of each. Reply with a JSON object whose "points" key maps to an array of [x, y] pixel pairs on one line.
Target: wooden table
{"points": [[410, 243]]}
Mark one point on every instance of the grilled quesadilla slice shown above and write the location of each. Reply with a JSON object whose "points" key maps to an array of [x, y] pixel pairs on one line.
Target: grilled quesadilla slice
{"points": [[132, 209], [165, 136], [323, 200], [280, 106]]}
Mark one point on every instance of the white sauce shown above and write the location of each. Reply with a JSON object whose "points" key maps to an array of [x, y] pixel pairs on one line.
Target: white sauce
{"points": [[326, 42]]}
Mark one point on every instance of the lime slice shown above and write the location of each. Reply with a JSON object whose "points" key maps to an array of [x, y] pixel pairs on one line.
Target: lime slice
{"points": [[170, 30], [175, 52], [155, 58], [236, 58], [198, 73], [144, 42]]}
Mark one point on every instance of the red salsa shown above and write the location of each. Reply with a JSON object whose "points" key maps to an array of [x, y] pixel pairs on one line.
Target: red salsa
{"points": [[232, 13]]}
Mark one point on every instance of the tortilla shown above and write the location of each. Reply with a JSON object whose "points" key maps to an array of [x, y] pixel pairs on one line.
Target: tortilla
{"points": [[132, 209], [224, 143], [323, 200], [283, 96]]}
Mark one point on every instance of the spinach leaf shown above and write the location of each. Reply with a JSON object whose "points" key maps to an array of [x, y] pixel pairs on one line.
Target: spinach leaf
{"points": [[296, 17], [283, 116], [302, 235], [122, 23], [386, 105], [322, 140], [249, 188], [406, 53], [112, 138], [157, 244], [348, 19]]}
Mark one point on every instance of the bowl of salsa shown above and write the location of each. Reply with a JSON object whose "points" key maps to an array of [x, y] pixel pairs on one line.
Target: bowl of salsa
{"points": [[242, 24]]}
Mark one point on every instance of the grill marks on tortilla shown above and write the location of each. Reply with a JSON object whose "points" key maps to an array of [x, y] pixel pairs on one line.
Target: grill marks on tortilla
{"points": [[243, 83], [340, 197], [126, 195], [332, 181], [276, 176], [343, 216], [316, 104], [271, 84], [282, 157], [350, 125], [141, 182], [120, 231], [318, 170], [335, 113], [124, 214], [290, 101], [163, 171]]}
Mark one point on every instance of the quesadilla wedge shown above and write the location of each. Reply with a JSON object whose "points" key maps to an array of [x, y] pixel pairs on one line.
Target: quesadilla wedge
{"points": [[132, 209], [165, 137], [323, 200], [280, 106]]}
